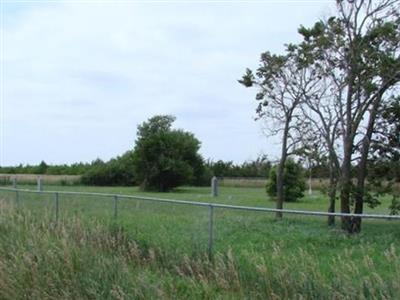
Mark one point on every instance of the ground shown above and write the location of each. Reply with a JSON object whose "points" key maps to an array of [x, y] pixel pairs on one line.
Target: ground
{"points": [[161, 249]]}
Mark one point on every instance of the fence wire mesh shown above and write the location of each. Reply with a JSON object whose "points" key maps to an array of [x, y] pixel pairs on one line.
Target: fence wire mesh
{"points": [[177, 226]]}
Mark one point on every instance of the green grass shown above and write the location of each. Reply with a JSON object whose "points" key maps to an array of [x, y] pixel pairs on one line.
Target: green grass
{"points": [[158, 251]]}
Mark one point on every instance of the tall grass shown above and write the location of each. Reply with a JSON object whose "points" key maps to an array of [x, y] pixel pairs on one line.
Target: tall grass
{"points": [[92, 259]]}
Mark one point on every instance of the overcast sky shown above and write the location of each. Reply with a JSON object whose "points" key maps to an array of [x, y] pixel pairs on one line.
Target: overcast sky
{"points": [[79, 76]]}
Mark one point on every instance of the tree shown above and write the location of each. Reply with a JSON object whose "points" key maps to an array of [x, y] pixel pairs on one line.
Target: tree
{"points": [[324, 119], [42, 168], [164, 158], [353, 59], [384, 159], [358, 52], [293, 182], [283, 84]]}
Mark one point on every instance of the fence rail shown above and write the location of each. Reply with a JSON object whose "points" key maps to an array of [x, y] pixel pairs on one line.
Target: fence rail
{"points": [[210, 206]]}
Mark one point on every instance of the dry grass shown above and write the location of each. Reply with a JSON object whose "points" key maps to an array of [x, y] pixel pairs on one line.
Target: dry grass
{"points": [[46, 179], [316, 184]]}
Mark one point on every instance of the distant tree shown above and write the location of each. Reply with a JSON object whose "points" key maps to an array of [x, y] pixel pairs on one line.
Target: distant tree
{"points": [[256, 168], [42, 168], [165, 158], [221, 168], [253, 168], [293, 181], [117, 171]]}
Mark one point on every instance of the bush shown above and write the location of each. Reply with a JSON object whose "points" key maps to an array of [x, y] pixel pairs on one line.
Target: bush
{"points": [[165, 158], [294, 183]]}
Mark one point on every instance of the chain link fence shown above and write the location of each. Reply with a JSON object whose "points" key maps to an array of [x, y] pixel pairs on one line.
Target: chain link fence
{"points": [[177, 225]]}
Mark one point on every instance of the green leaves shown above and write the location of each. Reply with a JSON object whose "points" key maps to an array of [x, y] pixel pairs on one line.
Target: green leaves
{"points": [[165, 158], [293, 182], [247, 79]]}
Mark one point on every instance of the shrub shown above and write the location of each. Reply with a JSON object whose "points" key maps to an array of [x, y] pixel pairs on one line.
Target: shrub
{"points": [[294, 183]]}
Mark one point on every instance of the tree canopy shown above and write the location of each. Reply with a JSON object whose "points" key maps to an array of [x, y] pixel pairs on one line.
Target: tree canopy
{"points": [[163, 157]]}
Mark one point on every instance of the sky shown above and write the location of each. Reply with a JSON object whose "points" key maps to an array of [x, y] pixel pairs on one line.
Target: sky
{"points": [[77, 77]]}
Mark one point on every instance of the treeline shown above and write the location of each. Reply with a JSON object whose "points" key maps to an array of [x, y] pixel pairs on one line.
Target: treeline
{"points": [[255, 168], [45, 169], [120, 170]]}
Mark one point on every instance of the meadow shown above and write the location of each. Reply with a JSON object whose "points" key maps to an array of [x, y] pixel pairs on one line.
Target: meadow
{"points": [[159, 251]]}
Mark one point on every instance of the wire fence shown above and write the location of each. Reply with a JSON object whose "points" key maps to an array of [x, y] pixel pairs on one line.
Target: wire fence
{"points": [[170, 208]]}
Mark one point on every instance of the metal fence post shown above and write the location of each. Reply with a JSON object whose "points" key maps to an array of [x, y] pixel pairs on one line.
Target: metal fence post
{"points": [[115, 206], [210, 230], [39, 183], [214, 187], [57, 206]]}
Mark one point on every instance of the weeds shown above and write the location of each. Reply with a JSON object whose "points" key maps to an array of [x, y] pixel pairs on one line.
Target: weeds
{"points": [[90, 259]]}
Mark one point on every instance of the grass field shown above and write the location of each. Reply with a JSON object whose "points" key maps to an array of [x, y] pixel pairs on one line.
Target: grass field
{"points": [[158, 251]]}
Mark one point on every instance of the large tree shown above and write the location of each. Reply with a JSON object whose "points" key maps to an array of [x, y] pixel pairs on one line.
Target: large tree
{"points": [[359, 51], [352, 66], [165, 158]]}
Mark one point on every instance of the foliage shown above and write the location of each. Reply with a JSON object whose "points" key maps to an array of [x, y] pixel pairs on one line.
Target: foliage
{"points": [[165, 158], [255, 168], [394, 207], [385, 144], [46, 169], [293, 181], [117, 171]]}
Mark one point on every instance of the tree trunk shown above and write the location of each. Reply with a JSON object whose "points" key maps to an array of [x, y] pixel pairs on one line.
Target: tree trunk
{"points": [[348, 139], [333, 181], [331, 208], [345, 184], [279, 187], [280, 193], [332, 197], [362, 167]]}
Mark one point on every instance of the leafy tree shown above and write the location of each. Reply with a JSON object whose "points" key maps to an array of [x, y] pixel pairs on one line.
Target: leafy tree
{"points": [[283, 85], [293, 181], [165, 158], [366, 37], [353, 57]]}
